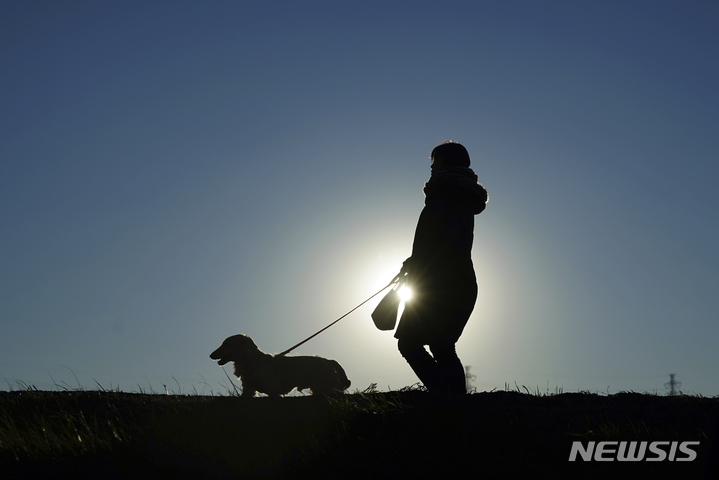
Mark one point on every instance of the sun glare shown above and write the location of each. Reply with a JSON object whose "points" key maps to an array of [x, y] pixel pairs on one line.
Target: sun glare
{"points": [[405, 293]]}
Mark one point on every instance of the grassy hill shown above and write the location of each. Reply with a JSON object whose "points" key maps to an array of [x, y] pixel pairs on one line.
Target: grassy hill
{"points": [[404, 434]]}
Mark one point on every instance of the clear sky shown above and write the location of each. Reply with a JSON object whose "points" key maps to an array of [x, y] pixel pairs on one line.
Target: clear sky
{"points": [[172, 173]]}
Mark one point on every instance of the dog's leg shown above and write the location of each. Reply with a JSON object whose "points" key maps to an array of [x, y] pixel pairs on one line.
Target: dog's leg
{"points": [[247, 391]]}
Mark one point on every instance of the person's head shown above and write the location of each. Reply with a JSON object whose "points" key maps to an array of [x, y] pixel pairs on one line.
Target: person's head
{"points": [[450, 154]]}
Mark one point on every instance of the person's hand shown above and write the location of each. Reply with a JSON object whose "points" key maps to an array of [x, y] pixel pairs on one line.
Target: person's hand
{"points": [[404, 271]]}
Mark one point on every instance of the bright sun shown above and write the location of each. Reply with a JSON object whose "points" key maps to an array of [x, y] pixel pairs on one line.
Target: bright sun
{"points": [[405, 293]]}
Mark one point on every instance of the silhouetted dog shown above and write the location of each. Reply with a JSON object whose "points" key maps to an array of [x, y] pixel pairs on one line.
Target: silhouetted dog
{"points": [[276, 375]]}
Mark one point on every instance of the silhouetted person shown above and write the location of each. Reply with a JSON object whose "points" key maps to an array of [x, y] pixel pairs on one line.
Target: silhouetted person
{"points": [[440, 271]]}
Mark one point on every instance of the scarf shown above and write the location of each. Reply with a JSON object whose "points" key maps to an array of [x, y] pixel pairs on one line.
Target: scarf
{"points": [[457, 188]]}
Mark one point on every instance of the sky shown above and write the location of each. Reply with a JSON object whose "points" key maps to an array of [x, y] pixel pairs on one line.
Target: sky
{"points": [[173, 173]]}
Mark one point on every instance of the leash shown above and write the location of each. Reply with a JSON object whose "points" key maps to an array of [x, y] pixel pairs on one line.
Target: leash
{"points": [[394, 280]]}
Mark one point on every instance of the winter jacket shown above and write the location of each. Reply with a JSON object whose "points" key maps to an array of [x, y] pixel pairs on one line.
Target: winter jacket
{"points": [[440, 271]]}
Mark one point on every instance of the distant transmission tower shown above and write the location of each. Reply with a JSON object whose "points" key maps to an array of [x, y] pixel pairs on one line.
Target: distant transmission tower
{"points": [[468, 377], [672, 385]]}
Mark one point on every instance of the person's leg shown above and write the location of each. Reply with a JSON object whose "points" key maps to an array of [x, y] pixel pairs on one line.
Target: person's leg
{"points": [[449, 373], [442, 371], [419, 360]]}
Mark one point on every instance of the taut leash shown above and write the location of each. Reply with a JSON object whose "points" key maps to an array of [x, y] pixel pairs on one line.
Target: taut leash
{"points": [[394, 280]]}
